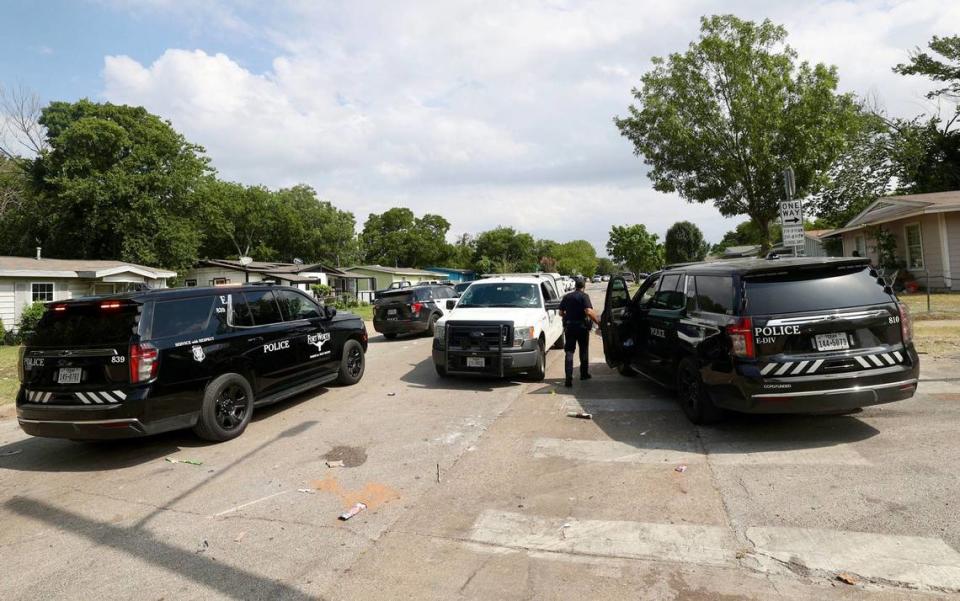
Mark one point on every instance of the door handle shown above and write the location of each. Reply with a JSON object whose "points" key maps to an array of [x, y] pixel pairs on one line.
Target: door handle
{"points": [[255, 339]]}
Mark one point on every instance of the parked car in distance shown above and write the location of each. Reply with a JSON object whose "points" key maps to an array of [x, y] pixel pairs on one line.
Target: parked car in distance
{"points": [[765, 336], [596, 279], [605, 278], [146, 362], [501, 325], [628, 277], [412, 310]]}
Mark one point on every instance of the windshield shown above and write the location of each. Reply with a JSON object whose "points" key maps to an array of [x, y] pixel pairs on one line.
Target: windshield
{"points": [[524, 296]]}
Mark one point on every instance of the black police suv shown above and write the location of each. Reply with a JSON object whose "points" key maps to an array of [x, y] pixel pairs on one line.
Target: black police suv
{"points": [[146, 362], [773, 335], [413, 310]]}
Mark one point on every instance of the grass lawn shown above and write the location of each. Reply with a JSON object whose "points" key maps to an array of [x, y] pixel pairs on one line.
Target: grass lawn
{"points": [[937, 339], [942, 306], [364, 311], [9, 382]]}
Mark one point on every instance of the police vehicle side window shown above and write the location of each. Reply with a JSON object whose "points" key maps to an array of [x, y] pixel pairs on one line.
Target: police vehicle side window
{"points": [[646, 294], [715, 294], [690, 292], [241, 317], [668, 296], [296, 306], [181, 317], [263, 307], [619, 295]]}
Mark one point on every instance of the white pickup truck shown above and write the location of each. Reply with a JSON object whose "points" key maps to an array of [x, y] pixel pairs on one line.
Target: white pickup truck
{"points": [[501, 325]]}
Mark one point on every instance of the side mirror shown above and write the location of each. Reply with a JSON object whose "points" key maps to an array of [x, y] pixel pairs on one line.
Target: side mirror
{"points": [[451, 304], [553, 305], [330, 311]]}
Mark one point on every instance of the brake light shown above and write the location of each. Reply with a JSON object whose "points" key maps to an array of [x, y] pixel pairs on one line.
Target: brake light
{"points": [[106, 305], [143, 362], [741, 338], [416, 307], [59, 307], [906, 324]]}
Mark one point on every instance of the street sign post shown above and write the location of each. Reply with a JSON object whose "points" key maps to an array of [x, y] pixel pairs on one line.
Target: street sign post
{"points": [[791, 215]]}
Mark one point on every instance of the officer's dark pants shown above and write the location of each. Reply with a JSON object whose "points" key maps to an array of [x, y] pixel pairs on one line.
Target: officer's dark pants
{"points": [[576, 335]]}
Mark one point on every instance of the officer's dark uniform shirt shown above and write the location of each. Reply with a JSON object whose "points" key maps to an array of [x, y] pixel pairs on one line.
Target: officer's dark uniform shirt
{"points": [[574, 306]]}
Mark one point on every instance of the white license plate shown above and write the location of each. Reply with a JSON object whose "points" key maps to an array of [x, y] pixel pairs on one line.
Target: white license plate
{"points": [[832, 342], [475, 362], [69, 375], [392, 314]]}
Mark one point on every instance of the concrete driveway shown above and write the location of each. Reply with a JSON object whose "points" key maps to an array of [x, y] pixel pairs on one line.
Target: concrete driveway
{"points": [[530, 503]]}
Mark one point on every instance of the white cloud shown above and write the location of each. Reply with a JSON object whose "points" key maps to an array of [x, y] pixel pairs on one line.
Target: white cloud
{"points": [[487, 113]]}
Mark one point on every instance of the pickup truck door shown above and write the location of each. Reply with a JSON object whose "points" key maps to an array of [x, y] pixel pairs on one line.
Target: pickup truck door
{"points": [[554, 326]]}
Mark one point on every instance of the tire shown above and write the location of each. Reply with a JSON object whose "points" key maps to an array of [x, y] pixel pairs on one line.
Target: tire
{"points": [[390, 335], [352, 364], [226, 408], [559, 344], [539, 371], [432, 324], [441, 370], [693, 397]]}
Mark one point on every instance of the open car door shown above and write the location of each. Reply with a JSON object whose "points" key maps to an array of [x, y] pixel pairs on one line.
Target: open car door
{"points": [[614, 321]]}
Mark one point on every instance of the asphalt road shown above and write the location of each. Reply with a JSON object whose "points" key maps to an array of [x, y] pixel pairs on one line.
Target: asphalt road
{"points": [[530, 503]]}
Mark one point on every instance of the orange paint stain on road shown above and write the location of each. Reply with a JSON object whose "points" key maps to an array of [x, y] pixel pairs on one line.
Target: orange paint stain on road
{"points": [[373, 494]]}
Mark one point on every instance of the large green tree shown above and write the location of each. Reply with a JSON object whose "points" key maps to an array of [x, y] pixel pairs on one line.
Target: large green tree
{"points": [[117, 182], [576, 257], [397, 237], [635, 247], [504, 250], [684, 243], [606, 267], [719, 122]]}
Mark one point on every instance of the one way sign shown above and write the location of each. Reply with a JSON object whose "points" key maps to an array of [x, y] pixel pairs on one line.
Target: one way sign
{"points": [[791, 212]]}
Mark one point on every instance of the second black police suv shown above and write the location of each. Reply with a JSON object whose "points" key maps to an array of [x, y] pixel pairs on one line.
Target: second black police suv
{"points": [[146, 362], [765, 336]]}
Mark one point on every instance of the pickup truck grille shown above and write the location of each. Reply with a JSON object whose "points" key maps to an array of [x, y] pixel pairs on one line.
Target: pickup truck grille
{"points": [[479, 337]]}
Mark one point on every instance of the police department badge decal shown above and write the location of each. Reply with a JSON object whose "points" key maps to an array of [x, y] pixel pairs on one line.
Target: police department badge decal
{"points": [[198, 355]]}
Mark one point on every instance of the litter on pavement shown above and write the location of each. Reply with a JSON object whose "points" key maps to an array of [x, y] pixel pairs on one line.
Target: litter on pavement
{"points": [[846, 578], [308, 491], [680, 468], [580, 415], [187, 461], [8, 453], [353, 511], [337, 463]]}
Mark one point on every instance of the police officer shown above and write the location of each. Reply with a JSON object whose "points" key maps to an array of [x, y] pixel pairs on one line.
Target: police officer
{"points": [[577, 312]]}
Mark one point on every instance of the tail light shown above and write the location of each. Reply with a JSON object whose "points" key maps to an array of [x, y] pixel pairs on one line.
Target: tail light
{"points": [[906, 323], [143, 362], [416, 307], [59, 308], [107, 305], [741, 338]]}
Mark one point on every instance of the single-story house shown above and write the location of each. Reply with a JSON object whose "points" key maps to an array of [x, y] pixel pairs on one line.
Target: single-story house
{"points": [[813, 243], [455, 275], [925, 228], [25, 280], [223, 272], [384, 276]]}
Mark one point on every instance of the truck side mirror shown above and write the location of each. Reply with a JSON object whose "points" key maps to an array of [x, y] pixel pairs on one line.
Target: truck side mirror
{"points": [[451, 304], [330, 311]]}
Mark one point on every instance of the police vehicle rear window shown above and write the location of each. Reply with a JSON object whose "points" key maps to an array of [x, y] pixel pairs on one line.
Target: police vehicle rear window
{"points": [[714, 293], [181, 317], [793, 292], [94, 324]]}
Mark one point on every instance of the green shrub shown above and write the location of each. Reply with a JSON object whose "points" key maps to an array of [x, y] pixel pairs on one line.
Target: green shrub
{"points": [[321, 290], [29, 318]]}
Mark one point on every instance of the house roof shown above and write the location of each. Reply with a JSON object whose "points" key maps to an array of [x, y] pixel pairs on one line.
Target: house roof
{"points": [[271, 268], [892, 208], [395, 270], [75, 268], [452, 270], [816, 234]]}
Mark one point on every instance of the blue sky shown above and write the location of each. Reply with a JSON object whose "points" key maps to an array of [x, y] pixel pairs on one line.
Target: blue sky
{"points": [[487, 113]]}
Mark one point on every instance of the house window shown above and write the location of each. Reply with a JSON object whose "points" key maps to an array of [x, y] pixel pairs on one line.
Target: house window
{"points": [[41, 292], [914, 246], [190, 283], [219, 281], [860, 246]]}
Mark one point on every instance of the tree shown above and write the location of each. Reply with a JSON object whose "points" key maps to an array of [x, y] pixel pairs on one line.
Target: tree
{"points": [[633, 246], [719, 122], [20, 128], [504, 250], [606, 267], [684, 243], [576, 257], [745, 234], [462, 251], [398, 238], [116, 183]]}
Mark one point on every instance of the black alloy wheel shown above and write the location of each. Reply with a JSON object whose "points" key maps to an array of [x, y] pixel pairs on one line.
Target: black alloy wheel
{"points": [[231, 407]]}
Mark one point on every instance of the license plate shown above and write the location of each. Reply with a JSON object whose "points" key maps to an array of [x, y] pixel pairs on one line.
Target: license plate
{"points": [[475, 362], [69, 375], [391, 313], [832, 342]]}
